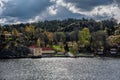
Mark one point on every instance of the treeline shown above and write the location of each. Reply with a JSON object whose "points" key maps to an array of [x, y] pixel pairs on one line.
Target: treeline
{"points": [[70, 24], [86, 33]]}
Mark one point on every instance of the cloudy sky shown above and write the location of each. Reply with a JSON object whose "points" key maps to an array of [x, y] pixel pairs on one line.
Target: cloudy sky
{"points": [[17, 11]]}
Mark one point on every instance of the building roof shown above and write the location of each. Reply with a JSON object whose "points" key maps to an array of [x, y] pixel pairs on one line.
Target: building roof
{"points": [[33, 46], [45, 49]]}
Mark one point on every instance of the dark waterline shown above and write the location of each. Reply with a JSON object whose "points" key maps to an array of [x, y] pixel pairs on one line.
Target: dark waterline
{"points": [[60, 69]]}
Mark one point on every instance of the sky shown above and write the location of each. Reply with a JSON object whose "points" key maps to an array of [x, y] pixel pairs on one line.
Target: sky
{"points": [[28, 11]]}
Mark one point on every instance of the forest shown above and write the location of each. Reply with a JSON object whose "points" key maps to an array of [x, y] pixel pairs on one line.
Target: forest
{"points": [[85, 35]]}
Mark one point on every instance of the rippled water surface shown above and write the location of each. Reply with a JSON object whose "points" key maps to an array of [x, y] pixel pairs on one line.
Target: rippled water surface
{"points": [[60, 69]]}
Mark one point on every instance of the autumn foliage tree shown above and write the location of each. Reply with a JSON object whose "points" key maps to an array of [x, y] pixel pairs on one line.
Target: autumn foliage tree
{"points": [[84, 37], [50, 36], [15, 32], [38, 42], [114, 40]]}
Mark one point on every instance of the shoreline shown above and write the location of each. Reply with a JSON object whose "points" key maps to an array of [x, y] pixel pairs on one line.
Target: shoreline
{"points": [[40, 57]]}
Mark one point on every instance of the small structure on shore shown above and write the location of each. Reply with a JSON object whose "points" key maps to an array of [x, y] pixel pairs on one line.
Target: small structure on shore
{"points": [[36, 51], [100, 51], [113, 51], [48, 52]]}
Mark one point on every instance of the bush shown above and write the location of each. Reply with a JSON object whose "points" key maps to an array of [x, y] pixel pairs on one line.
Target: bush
{"points": [[58, 48]]}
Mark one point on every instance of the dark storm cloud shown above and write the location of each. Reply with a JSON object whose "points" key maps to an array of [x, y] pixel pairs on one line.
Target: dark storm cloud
{"points": [[25, 8]]}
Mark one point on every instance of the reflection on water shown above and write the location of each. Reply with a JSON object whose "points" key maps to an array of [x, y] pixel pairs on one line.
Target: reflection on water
{"points": [[60, 69]]}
